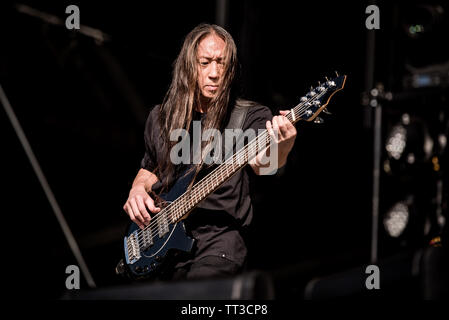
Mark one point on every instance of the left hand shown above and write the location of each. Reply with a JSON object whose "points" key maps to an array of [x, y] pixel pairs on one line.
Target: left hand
{"points": [[286, 133]]}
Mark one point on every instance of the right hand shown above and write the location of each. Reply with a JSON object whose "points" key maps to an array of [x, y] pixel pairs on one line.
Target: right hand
{"points": [[136, 206]]}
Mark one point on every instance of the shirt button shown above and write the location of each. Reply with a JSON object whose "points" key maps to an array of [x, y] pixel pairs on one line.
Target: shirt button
{"points": [[223, 255]]}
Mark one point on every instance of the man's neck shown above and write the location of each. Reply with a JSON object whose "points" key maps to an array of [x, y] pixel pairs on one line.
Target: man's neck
{"points": [[201, 109], [203, 106]]}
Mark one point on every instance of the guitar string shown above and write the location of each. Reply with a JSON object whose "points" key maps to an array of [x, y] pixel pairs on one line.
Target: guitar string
{"points": [[246, 151], [238, 157]]}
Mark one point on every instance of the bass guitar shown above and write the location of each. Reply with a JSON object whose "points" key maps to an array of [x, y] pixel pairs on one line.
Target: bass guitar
{"points": [[145, 250]]}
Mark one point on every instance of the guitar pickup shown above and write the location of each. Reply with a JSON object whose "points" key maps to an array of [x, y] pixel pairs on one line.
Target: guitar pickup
{"points": [[162, 223], [147, 238]]}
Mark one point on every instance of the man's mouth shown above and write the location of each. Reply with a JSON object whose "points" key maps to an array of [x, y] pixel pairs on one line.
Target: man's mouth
{"points": [[211, 87]]}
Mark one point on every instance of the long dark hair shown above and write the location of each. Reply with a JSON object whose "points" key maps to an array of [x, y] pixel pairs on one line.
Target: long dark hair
{"points": [[176, 110]]}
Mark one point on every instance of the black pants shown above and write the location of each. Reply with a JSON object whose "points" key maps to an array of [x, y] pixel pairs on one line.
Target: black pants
{"points": [[207, 267]]}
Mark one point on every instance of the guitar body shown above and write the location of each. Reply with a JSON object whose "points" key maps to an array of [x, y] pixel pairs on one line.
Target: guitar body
{"points": [[173, 241], [152, 258]]}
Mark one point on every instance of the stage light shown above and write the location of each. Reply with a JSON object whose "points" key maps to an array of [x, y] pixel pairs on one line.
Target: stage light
{"points": [[396, 142], [397, 139], [408, 142], [415, 29], [396, 219]]}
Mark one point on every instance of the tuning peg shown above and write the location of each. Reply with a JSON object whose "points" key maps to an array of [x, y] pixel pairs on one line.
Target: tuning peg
{"points": [[326, 111], [320, 88], [318, 120]]}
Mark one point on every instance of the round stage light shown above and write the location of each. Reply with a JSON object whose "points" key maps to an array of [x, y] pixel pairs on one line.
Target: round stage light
{"points": [[396, 142], [396, 219], [408, 141]]}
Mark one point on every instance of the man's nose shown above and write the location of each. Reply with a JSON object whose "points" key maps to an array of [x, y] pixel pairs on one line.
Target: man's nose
{"points": [[213, 73]]}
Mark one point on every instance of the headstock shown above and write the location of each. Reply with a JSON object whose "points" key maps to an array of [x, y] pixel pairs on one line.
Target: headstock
{"points": [[316, 100]]}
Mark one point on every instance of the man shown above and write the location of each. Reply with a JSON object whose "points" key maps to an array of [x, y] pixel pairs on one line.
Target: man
{"points": [[202, 89]]}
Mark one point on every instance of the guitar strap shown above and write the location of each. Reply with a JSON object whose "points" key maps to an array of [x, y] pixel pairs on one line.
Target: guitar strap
{"points": [[238, 114], [236, 121]]}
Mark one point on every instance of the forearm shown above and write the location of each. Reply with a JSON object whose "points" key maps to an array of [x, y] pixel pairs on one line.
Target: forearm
{"points": [[139, 199], [144, 179]]}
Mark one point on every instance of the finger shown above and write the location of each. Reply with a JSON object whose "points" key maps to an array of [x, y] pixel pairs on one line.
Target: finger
{"points": [[277, 133], [283, 128], [269, 127], [284, 114], [142, 209], [291, 128], [128, 211], [132, 216], [150, 205], [136, 211], [271, 131]]}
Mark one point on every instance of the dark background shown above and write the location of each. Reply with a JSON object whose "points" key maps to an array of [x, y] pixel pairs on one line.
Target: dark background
{"points": [[82, 105]]}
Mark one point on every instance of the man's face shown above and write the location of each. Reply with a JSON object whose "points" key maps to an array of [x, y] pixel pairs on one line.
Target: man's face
{"points": [[210, 54]]}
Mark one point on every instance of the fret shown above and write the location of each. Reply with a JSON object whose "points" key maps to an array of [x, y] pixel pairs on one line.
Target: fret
{"points": [[215, 180], [198, 194], [171, 214], [225, 170], [222, 174]]}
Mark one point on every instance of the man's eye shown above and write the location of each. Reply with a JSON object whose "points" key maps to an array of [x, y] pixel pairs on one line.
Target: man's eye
{"points": [[204, 63]]}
